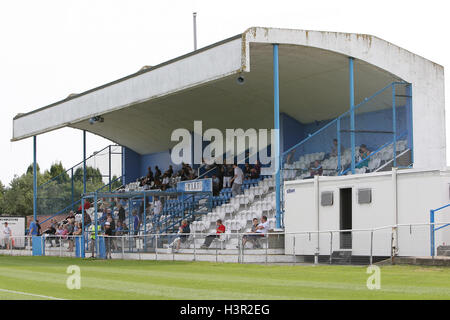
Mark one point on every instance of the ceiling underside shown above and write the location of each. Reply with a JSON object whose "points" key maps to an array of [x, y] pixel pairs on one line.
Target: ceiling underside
{"points": [[314, 85]]}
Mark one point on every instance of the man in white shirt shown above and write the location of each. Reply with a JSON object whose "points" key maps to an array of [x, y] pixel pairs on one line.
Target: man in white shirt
{"points": [[237, 180], [6, 235], [157, 207], [263, 227]]}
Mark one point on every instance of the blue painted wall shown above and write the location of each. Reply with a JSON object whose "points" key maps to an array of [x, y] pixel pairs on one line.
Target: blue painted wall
{"points": [[131, 163], [292, 132], [160, 159], [371, 121]]}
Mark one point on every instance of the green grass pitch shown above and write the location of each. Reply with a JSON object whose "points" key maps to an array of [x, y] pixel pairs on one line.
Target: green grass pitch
{"points": [[45, 277]]}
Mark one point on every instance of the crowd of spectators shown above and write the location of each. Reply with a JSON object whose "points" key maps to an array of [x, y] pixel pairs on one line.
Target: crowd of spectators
{"points": [[231, 175]]}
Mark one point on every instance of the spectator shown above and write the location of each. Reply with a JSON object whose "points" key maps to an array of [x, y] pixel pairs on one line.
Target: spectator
{"points": [[165, 181], [70, 226], [252, 236], [247, 171], [38, 227], [112, 224], [7, 236], [290, 157], [157, 173], [169, 172], [78, 230], [87, 205], [227, 175], [157, 208], [147, 180], [316, 169], [334, 149], [363, 160], [121, 213], [216, 185], [219, 230], [87, 219], [255, 172], [71, 215], [136, 223], [237, 180], [183, 235], [93, 232], [50, 233], [263, 227], [119, 229], [108, 240], [33, 231]]}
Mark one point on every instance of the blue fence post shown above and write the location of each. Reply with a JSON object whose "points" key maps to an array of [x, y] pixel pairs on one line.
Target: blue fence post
{"points": [[96, 223], [338, 126], [432, 232], [276, 107], [34, 180], [352, 111], [84, 161], [394, 124], [83, 235], [145, 219], [73, 197]]}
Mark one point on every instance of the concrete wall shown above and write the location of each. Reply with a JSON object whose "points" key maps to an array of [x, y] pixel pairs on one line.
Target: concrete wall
{"points": [[417, 193]]}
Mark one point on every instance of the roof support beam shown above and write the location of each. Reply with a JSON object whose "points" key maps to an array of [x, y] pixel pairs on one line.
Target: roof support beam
{"points": [[276, 110]]}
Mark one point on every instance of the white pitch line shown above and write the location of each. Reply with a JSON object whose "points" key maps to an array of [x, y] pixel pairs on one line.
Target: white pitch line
{"points": [[30, 294]]}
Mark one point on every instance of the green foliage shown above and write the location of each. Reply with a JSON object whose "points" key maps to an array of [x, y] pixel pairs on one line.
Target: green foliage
{"points": [[55, 191]]}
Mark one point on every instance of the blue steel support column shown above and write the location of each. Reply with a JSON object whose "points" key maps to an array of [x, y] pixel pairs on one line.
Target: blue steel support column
{"points": [[394, 125], [276, 107], [409, 120], [123, 166], [432, 232], [72, 186], [145, 219], [34, 180], [338, 126], [109, 172], [352, 111], [82, 253], [96, 225], [84, 162]]}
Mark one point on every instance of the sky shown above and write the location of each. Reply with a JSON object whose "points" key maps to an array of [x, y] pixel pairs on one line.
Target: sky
{"points": [[50, 49]]}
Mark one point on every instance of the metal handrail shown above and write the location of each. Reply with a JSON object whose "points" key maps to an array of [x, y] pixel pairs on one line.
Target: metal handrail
{"points": [[93, 155], [342, 115]]}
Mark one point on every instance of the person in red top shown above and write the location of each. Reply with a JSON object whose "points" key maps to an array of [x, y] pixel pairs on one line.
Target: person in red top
{"points": [[87, 205], [219, 229]]}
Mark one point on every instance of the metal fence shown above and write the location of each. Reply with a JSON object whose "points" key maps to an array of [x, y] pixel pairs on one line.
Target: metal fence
{"points": [[63, 192], [363, 246]]}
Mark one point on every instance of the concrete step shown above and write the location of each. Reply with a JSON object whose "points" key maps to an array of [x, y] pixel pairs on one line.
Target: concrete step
{"points": [[443, 251], [421, 261], [224, 251], [226, 258]]}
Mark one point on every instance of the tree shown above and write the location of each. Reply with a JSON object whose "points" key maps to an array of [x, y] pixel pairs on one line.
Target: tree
{"points": [[57, 190], [2, 197]]}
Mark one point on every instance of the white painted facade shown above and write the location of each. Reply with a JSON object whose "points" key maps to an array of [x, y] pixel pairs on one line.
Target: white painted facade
{"points": [[417, 191]]}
